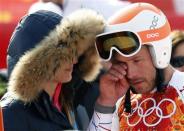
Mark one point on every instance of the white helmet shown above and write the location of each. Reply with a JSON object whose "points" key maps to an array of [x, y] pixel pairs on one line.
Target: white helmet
{"points": [[136, 25]]}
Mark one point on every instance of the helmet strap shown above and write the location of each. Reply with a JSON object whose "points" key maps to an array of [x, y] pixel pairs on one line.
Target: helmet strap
{"points": [[160, 80], [127, 104]]}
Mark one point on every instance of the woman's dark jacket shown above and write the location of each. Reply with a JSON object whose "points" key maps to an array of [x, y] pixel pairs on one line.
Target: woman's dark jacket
{"points": [[41, 115]]}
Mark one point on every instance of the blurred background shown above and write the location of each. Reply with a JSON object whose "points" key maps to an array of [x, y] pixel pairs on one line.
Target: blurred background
{"points": [[11, 12]]}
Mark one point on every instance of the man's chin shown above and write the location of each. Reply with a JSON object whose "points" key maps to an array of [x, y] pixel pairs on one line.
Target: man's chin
{"points": [[138, 89]]}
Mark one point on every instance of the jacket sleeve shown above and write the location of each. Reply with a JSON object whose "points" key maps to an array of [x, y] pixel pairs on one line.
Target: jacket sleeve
{"points": [[100, 122], [105, 122], [115, 118]]}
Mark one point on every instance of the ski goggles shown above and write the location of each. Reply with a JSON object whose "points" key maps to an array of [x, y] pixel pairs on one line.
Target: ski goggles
{"points": [[128, 43], [125, 43]]}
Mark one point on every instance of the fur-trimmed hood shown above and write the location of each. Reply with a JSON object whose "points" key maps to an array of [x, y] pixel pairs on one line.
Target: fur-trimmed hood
{"points": [[73, 36]]}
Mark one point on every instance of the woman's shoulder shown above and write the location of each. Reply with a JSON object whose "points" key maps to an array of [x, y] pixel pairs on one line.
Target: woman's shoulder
{"points": [[8, 103], [14, 113]]}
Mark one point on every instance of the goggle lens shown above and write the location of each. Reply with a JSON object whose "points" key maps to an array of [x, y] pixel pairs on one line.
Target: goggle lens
{"points": [[126, 42]]}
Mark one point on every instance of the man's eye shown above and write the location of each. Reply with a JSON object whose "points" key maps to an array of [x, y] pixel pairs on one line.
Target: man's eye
{"points": [[137, 60]]}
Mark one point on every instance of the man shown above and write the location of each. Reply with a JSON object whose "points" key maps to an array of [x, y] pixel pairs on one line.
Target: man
{"points": [[138, 44]]}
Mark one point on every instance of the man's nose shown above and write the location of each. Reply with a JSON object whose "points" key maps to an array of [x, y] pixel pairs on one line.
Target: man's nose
{"points": [[131, 71]]}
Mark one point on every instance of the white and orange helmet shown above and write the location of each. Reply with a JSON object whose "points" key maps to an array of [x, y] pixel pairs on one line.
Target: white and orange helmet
{"points": [[136, 25]]}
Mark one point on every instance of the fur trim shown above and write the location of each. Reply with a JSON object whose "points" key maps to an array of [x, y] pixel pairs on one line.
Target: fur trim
{"points": [[75, 35], [80, 30]]}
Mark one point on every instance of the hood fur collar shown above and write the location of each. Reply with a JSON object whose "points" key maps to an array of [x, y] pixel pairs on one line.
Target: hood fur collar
{"points": [[74, 36]]}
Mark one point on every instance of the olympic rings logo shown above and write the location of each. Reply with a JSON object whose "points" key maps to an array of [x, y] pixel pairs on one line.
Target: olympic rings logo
{"points": [[154, 23], [143, 115]]}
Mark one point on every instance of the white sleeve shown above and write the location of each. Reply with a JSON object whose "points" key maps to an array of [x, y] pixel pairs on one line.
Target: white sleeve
{"points": [[115, 118], [105, 122], [115, 121], [100, 122]]}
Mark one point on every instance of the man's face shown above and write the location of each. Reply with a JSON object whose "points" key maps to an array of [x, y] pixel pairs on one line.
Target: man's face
{"points": [[141, 73]]}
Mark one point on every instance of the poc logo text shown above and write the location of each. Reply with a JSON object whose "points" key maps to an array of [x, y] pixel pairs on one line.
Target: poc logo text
{"points": [[153, 35]]}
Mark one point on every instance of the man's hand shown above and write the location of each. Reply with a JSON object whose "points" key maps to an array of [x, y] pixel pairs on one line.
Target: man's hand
{"points": [[113, 85]]}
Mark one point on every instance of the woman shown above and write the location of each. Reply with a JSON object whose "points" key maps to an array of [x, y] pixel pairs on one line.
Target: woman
{"points": [[42, 53]]}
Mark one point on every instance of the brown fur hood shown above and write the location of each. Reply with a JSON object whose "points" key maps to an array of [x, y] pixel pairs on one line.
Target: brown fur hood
{"points": [[74, 36]]}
